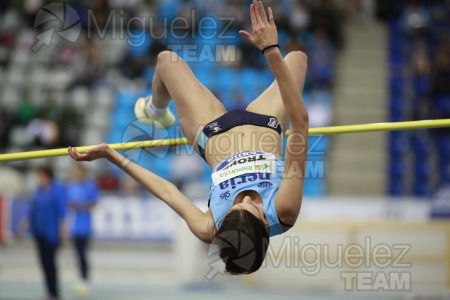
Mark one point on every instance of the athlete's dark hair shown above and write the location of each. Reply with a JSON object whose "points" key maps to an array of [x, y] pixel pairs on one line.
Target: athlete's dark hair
{"points": [[243, 241]]}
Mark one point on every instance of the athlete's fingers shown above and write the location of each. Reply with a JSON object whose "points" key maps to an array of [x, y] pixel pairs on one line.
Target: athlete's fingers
{"points": [[247, 35], [74, 153], [257, 12], [70, 151], [253, 15], [271, 19], [77, 156], [262, 11]]}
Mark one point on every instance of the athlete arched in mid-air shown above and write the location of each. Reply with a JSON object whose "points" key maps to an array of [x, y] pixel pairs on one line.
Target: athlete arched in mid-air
{"points": [[252, 197]]}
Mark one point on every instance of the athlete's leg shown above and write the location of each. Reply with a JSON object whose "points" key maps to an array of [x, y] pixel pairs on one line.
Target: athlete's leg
{"points": [[195, 104], [270, 102]]}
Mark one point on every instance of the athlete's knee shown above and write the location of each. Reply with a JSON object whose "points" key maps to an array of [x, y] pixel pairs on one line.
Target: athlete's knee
{"points": [[298, 56], [167, 56]]}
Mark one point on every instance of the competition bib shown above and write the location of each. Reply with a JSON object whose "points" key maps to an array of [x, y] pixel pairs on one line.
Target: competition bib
{"points": [[244, 163]]}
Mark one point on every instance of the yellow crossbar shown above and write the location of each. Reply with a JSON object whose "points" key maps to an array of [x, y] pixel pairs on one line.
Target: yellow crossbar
{"points": [[393, 126]]}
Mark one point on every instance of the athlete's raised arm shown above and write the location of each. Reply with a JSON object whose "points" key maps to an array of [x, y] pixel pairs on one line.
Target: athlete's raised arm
{"points": [[265, 37], [200, 223]]}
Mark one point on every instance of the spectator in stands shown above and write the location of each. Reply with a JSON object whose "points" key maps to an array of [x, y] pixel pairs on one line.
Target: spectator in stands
{"points": [[91, 58], [234, 10], [5, 128], [423, 109], [182, 176], [321, 59], [295, 45], [327, 16], [415, 20], [299, 17], [319, 108], [43, 132], [4, 6], [82, 197], [69, 122], [158, 45], [46, 221], [421, 67], [26, 111], [442, 73]]}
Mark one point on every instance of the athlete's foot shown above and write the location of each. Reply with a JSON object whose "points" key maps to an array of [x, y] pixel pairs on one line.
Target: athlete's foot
{"points": [[164, 120]]}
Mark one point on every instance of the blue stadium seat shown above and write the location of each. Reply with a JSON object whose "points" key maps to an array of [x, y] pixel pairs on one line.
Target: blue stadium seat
{"points": [[443, 143], [397, 167], [421, 145], [121, 117], [305, 38], [396, 189], [443, 148], [318, 145], [114, 137], [396, 84], [226, 78], [421, 188], [422, 85], [283, 38], [444, 170], [398, 144], [168, 9], [247, 80], [139, 42], [232, 37], [125, 99], [442, 103], [397, 108], [397, 170], [157, 162], [148, 75], [314, 187]]}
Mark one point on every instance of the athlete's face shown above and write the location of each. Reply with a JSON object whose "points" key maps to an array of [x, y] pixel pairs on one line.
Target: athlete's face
{"points": [[253, 207]]}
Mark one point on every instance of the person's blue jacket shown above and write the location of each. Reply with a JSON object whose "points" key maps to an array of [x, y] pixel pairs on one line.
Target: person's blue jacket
{"points": [[48, 210], [82, 193]]}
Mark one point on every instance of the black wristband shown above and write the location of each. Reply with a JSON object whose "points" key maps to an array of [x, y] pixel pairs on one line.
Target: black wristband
{"points": [[269, 47]]}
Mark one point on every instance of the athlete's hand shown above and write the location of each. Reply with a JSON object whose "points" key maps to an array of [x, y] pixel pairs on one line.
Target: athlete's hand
{"points": [[264, 29], [100, 151]]}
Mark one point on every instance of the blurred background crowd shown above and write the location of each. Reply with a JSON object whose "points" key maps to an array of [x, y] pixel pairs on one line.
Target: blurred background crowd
{"points": [[419, 89], [84, 92]]}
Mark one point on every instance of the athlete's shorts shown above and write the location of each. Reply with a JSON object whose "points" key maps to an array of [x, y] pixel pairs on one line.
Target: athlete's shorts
{"points": [[233, 119]]}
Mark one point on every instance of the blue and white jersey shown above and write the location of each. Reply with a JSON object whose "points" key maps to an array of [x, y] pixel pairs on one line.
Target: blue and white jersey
{"points": [[256, 171]]}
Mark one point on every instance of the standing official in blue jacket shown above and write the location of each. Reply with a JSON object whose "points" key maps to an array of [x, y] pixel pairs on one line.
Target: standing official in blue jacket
{"points": [[82, 197], [47, 216]]}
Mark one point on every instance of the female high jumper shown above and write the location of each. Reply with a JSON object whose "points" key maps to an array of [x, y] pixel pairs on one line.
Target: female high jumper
{"points": [[253, 194]]}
